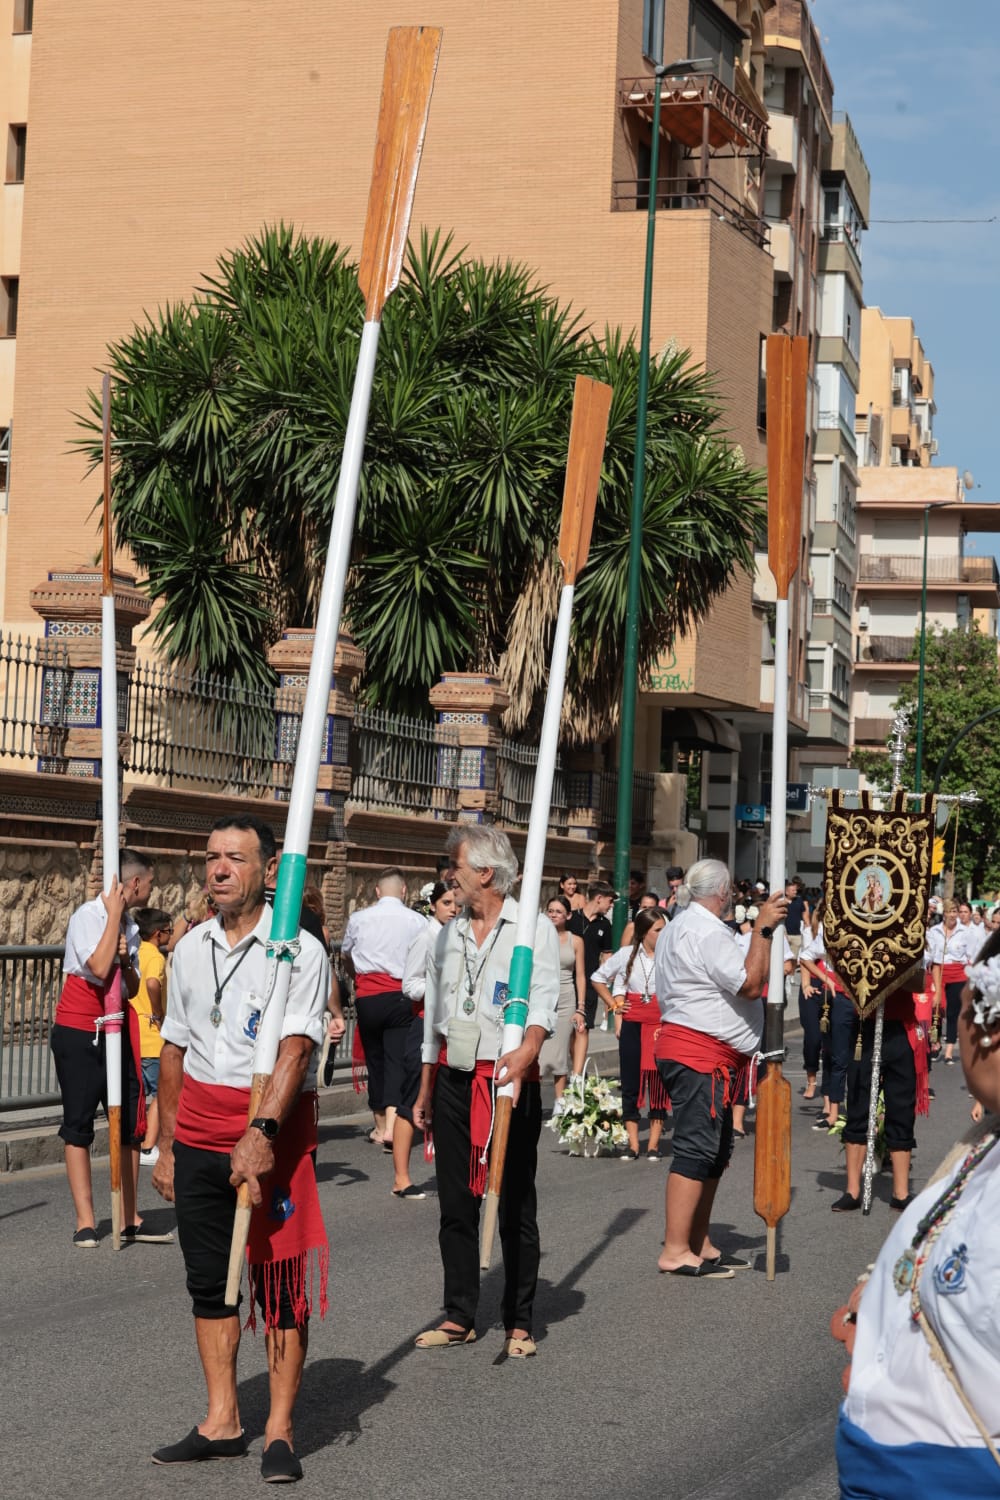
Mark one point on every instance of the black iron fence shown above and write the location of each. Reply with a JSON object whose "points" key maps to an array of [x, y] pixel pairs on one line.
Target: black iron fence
{"points": [[34, 680]]}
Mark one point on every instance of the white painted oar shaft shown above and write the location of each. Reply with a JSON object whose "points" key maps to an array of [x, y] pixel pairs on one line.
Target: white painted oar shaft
{"points": [[302, 801], [541, 806], [779, 796], [109, 814], [541, 798], [338, 558]]}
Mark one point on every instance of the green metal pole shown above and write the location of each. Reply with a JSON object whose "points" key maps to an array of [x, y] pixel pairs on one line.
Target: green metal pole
{"points": [[626, 752], [923, 660]]}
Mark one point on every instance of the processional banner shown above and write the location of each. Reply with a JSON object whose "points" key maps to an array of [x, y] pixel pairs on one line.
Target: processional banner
{"points": [[876, 878]]}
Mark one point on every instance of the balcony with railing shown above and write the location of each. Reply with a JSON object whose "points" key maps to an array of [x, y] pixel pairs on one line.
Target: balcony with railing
{"points": [[693, 193], [698, 110], [835, 421], [789, 21], [887, 651], [970, 574], [872, 731]]}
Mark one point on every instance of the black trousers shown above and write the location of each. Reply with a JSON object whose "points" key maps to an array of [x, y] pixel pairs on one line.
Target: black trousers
{"points": [[899, 1087], [630, 1066], [458, 1236], [384, 1024], [810, 1010], [838, 1048], [953, 1009], [206, 1207]]}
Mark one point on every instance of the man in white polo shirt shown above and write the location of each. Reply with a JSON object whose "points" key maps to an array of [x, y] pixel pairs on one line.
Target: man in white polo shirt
{"points": [[374, 949], [709, 994]]}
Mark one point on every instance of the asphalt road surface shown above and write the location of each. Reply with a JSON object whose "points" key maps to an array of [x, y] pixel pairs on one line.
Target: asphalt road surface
{"points": [[644, 1386]]}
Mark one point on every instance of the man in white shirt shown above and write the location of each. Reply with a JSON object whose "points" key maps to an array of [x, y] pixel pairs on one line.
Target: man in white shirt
{"points": [[467, 976], [709, 994], [374, 951], [100, 939], [218, 989]]}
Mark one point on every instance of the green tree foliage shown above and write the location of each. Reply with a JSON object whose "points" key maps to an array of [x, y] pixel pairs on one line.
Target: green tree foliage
{"points": [[961, 681], [229, 415]]}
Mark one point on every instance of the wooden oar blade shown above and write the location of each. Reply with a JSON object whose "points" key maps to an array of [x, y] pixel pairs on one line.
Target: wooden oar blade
{"points": [[587, 437], [772, 1178], [787, 379], [411, 59], [106, 580]]}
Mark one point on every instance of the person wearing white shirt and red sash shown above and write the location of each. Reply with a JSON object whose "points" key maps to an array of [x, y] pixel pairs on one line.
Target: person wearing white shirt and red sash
{"points": [[376, 942], [637, 1015], [922, 1414], [218, 988], [467, 976], [709, 996], [948, 949], [100, 935]]}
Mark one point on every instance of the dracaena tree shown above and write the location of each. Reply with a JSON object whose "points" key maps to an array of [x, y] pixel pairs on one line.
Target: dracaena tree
{"points": [[229, 414]]}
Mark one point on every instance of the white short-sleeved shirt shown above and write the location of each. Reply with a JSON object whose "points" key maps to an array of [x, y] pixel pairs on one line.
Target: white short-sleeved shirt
{"points": [[743, 938], [223, 1054], [699, 973], [897, 1393], [378, 937], [813, 946], [976, 937], [85, 930], [415, 969], [454, 960], [953, 947], [611, 969]]}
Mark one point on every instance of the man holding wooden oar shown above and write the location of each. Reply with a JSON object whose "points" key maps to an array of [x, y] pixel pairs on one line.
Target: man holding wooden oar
{"points": [[709, 994], [467, 976], [101, 935], [207, 1150]]}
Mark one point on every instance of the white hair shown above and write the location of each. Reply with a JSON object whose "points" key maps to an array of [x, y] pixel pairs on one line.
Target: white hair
{"points": [[486, 848], [705, 879]]}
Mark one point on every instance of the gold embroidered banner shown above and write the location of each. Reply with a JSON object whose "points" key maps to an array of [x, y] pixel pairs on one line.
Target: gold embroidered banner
{"points": [[876, 875]]}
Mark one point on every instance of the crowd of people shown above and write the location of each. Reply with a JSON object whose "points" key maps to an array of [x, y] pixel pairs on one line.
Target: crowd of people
{"points": [[685, 990]]}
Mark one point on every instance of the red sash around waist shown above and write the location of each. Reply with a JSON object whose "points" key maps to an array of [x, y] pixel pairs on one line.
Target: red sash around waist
{"points": [[952, 973], [901, 1006], [377, 982], [645, 1012], [834, 978], [705, 1054], [642, 1009], [80, 1003]]}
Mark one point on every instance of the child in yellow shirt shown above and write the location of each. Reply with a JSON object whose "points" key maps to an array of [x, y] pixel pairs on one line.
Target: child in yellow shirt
{"points": [[150, 1004]]}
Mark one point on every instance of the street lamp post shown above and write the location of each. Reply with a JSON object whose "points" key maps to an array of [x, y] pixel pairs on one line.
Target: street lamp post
{"points": [[626, 750], [918, 769]]}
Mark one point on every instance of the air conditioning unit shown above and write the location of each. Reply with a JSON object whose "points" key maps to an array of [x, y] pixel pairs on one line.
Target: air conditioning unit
{"points": [[864, 616], [932, 447], [867, 652], [896, 458]]}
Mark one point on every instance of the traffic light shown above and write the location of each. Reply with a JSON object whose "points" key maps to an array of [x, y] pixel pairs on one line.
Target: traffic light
{"points": [[937, 857]]}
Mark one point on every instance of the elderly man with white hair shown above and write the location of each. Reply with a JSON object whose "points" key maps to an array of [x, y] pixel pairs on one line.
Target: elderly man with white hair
{"points": [[709, 993], [467, 975]]}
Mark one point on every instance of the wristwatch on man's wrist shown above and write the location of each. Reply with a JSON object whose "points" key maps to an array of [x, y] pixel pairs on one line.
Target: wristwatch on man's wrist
{"points": [[267, 1127], [766, 932]]}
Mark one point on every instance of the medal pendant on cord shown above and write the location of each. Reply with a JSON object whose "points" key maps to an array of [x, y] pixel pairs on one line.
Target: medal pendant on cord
{"points": [[903, 1272], [215, 1015], [469, 1005]]}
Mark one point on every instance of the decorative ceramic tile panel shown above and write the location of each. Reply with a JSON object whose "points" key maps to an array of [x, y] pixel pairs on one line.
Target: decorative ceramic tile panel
{"points": [[450, 716], [83, 698]]}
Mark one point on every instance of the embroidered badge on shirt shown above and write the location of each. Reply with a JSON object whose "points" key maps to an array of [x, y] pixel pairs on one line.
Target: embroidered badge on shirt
{"points": [[500, 993], [949, 1277], [250, 1027]]}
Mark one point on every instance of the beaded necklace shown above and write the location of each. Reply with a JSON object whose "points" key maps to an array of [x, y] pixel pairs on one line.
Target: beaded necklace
{"points": [[907, 1271]]}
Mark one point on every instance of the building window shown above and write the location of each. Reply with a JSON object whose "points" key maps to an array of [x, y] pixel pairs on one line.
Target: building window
{"points": [[652, 30], [23, 13], [17, 139], [8, 306], [712, 35], [4, 467]]}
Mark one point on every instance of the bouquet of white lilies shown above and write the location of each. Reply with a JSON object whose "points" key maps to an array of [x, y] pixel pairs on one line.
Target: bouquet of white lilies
{"points": [[588, 1115]]}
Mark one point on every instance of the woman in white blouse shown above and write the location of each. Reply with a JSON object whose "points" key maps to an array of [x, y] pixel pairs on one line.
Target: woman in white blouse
{"points": [[633, 999], [948, 952]]}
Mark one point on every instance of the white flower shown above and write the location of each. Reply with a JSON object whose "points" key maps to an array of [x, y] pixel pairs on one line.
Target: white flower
{"points": [[985, 981]]}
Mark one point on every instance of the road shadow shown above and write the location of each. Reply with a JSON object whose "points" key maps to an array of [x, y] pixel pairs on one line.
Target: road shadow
{"points": [[335, 1395], [27, 1208], [881, 1184], [346, 1176]]}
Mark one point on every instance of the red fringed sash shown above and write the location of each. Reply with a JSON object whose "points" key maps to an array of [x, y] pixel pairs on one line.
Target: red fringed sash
{"points": [[952, 973], [359, 1065], [705, 1054], [646, 1013], [288, 1243]]}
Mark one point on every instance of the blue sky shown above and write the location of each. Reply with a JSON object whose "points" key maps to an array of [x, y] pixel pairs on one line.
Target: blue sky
{"points": [[919, 80]]}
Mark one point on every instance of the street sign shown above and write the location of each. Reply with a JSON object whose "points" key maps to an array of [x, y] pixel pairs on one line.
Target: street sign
{"points": [[796, 796], [750, 814]]}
